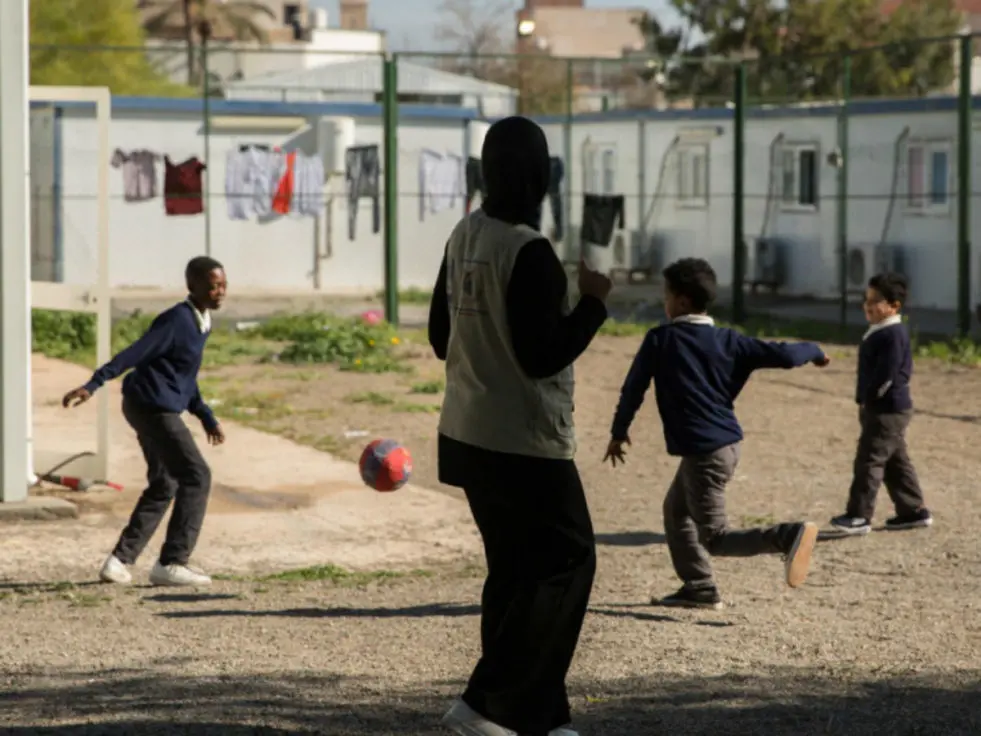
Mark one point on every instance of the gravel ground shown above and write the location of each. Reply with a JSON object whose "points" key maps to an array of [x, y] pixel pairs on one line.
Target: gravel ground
{"points": [[884, 639]]}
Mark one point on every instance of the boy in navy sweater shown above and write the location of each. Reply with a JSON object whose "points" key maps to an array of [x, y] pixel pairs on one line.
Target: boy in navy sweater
{"points": [[162, 383], [885, 364], [698, 371]]}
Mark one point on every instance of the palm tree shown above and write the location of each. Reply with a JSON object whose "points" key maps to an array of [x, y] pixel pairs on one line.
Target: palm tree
{"points": [[237, 19]]}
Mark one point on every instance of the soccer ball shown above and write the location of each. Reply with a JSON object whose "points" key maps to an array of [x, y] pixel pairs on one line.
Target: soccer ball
{"points": [[385, 465]]}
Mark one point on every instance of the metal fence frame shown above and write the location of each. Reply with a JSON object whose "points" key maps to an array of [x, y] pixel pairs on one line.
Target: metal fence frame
{"points": [[740, 108]]}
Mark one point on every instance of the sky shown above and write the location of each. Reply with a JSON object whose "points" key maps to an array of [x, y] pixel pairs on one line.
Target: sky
{"points": [[412, 31]]}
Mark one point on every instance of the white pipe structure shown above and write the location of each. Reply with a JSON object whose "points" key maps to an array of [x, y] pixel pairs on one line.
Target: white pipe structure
{"points": [[92, 298], [14, 254]]}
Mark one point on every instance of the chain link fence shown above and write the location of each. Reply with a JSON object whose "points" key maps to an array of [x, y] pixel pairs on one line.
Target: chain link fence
{"points": [[796, 177]]}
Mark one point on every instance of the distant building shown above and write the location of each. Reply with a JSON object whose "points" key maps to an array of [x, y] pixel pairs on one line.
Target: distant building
{"points": [[566, 28], [360, 80], [300, 38]]}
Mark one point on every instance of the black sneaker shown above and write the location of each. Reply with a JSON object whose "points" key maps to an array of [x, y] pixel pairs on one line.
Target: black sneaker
{"points": [[853, 525], [917, 520], [687, 597]]}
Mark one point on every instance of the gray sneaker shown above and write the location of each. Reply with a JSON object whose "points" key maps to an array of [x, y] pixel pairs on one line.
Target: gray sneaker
{"points": [[465, 721], [177, 576]]}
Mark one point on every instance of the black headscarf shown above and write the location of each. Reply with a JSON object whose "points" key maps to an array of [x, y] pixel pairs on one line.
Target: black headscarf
{"points": [[515, 167]]}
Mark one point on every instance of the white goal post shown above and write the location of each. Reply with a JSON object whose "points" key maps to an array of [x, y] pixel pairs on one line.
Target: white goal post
{"points": [[95, 298]]}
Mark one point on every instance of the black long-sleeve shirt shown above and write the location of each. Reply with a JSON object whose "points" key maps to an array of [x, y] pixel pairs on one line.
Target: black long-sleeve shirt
{"points": [[545, 341]]}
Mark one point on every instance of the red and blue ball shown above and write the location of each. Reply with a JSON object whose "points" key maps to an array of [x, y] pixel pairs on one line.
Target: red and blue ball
{"points": [[385, 465]]}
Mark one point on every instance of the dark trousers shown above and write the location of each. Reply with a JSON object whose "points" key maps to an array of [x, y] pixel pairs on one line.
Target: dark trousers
{"points": [[695, 522], [541, 559], [882, 457], [175, 471]]}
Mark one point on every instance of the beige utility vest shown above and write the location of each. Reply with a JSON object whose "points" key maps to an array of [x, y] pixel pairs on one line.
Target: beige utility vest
{"points": [[490, 402]]}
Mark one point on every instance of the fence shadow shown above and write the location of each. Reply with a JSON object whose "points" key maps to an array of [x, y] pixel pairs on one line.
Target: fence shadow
{"points": [[786, 702]]}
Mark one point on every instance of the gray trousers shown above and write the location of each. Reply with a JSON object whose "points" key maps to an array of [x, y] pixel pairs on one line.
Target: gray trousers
{"points": [[695, 521], [175, 472], [882, 457]]}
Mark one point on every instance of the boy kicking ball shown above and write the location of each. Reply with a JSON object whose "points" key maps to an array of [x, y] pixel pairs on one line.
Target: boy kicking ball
{"points": [[885, 364], [161, 385], [698, 370]]}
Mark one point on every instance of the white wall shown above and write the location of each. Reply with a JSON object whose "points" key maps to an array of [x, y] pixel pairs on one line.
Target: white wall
{"points": [[150, 248], [876, 205]]}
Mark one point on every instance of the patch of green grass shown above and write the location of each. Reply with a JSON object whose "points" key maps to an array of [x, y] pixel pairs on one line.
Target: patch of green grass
{"points": [[750, 521], [328, 573], [370, 397], [228, 402], [959, 351], [616, 328], [308, 338], [413, 407], [86, 600], [428, 387]]}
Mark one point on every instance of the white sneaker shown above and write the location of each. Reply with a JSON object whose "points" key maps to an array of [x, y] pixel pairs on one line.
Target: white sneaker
{"points": [[114, 571], [563, 731], [177, 575], [465, 721]]}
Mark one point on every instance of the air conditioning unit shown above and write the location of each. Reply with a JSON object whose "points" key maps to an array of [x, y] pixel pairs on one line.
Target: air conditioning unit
{"points": [[867, 259], [766, 263]]}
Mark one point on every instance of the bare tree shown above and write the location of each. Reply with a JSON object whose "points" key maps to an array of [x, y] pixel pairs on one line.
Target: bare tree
{"points": [[475, 29]]}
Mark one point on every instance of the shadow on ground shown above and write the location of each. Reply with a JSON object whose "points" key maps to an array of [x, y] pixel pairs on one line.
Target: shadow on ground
{"points": [[789, 702]]}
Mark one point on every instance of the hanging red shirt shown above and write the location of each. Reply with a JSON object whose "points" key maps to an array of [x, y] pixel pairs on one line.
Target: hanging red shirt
{"points": [[284, 192], [182, 187]]}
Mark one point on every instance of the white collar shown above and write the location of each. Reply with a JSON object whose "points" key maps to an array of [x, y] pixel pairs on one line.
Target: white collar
{"points": [[693, 319], [203, 318], [896, 319]]}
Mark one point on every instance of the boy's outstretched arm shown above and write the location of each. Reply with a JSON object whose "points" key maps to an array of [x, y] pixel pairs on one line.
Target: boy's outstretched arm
{"points": [[754, 353], [634, 388], [155, 341]]}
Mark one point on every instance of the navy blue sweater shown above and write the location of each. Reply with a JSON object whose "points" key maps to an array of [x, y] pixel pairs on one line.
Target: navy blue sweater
{"points": [[885, 364], [698, 371], [165, 364]]}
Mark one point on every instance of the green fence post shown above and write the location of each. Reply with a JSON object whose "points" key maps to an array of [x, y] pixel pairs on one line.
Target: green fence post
{"points": [[738, 153], [390, 112], [846, 91], [964, 189], [567, 155], [205, 30]]}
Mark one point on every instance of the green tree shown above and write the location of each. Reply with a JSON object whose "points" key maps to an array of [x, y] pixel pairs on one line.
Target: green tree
{"points": [[239, 20], [796, 46], [57, 25]]}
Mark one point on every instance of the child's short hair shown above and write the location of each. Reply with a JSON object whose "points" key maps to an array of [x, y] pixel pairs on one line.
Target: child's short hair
{"points": [[693, 278], [892, 286], [199, 267]]}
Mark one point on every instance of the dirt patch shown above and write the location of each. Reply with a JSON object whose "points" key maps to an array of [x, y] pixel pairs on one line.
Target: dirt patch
{"points": [[884, 638]]}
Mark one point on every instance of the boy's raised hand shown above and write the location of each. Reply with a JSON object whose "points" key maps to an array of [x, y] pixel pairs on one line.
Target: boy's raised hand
{"points": [[615, 451], [823, 361]]}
